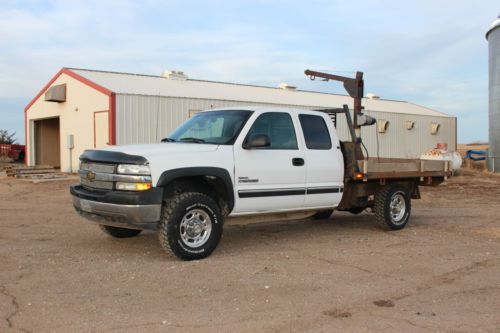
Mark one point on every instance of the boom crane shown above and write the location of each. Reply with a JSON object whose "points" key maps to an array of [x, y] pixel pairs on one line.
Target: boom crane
{"points": [[354, 87]]}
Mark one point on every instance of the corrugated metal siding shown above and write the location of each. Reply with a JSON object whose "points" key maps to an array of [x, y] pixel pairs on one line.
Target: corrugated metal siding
{"points": [[148, 119], [399, 142]]}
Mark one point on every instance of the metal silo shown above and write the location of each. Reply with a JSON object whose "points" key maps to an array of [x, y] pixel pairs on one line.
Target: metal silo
{"points": [[493, 37]]}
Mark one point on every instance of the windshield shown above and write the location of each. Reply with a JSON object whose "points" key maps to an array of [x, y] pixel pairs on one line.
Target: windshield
{"points": [[215, 127]]}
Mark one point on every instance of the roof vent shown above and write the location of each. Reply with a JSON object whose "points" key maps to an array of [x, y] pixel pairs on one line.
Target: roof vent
{"points": [[286, 86], [372, 96], [174, 75]]}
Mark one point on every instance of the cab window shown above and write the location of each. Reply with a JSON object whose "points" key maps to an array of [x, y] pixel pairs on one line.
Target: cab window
{"points": [[278, 126], [315, 132]]}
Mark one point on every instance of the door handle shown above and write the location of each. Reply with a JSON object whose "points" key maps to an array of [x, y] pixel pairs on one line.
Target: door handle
{"points": [[297, 161]]}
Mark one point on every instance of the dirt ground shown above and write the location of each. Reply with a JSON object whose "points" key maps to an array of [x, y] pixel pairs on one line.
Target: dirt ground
{"points": [[59, 273]]}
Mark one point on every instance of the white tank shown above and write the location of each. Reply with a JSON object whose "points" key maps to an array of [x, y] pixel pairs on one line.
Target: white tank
{"points": [[493, 37], [440, 153]]}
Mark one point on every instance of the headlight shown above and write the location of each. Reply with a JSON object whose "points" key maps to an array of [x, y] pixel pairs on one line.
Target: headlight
{"points": [[133, 186], [133, 169]]}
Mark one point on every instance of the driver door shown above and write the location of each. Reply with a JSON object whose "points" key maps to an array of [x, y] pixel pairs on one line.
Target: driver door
{"points": [[270, 179]]}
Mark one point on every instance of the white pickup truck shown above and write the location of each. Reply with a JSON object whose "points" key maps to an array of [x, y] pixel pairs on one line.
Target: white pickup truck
{"points": [[244, 164]]}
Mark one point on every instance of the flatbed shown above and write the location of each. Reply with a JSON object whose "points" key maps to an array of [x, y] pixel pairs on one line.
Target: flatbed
{"points": [[390, 168]]}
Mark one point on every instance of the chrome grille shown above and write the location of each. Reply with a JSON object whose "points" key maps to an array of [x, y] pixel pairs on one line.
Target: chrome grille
{"points": [[100, 176], [88, 171], [98, 167], [96, 184]]}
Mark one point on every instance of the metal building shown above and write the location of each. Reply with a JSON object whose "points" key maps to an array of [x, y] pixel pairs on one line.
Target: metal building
{"points": [[493, 37], [82, 109]]}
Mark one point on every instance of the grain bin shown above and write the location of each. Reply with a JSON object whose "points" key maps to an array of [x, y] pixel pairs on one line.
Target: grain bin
{"points": [[493, 37]]}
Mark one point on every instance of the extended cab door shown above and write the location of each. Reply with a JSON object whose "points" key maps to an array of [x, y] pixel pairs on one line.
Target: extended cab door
{"points": [[323, 160], [270, 178]]}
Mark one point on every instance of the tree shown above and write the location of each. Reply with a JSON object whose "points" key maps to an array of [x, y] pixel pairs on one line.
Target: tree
{"points": [[7, 138]]}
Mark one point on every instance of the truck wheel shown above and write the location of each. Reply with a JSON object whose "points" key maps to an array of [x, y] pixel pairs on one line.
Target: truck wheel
{"points": [[119, 232], [323, 214], [191, 226], [392, 207]]}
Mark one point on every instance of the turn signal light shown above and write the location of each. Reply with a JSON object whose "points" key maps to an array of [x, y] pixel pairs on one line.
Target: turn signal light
{"points": [[359, 176], [133, 186], [142, 186]]}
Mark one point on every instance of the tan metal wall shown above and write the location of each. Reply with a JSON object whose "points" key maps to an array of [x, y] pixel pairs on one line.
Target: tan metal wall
{"points": [[76, 116], [148, 119]]}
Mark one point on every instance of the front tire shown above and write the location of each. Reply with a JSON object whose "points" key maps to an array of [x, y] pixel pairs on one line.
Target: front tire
{"points": [[392, 207], [191, 225], [119, 232]]}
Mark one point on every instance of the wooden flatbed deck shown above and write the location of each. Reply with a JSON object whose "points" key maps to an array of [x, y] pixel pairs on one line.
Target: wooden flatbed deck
{"points": [[390, 168]]}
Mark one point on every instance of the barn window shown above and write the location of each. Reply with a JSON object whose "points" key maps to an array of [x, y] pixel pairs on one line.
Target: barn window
{"points": [[382, 125], [410, 125], [435, 128]]}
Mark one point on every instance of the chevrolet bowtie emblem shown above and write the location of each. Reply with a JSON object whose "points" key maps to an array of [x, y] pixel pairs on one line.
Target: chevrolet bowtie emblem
{"points": [[90, 175]]}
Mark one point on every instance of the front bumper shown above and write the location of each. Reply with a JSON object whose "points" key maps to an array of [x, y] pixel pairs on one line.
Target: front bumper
{"points": [[133, 210]]}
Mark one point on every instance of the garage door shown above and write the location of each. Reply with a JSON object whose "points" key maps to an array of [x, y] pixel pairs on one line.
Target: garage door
{"points": [[47, 142]]}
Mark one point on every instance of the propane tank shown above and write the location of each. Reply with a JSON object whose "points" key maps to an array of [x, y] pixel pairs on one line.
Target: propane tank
{"points": [[441, 153]]}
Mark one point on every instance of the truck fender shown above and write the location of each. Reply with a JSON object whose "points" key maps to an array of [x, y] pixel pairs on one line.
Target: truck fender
{"points": [[170, 175]]}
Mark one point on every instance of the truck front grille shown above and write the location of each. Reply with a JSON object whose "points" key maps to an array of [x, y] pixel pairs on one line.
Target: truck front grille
{"points": [[90, 173], [100, 176], [96, 184], [98, 167]]}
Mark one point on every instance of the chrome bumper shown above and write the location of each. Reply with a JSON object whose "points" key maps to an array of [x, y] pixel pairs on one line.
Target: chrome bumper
{"points": [[127, 216]]}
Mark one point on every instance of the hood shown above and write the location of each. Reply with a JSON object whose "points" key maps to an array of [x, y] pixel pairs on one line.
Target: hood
{"points": [[151, 150]]}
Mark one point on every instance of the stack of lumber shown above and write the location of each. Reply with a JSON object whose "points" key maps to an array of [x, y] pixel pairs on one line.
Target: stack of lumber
{"points": [[32, 172]]}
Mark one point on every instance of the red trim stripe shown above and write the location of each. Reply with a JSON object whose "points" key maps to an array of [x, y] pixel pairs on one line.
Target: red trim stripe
{"points": [[26, 138], [112, 119]]}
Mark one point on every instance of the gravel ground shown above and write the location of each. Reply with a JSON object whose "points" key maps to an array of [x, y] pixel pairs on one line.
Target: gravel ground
{"points": [[59, 273]]}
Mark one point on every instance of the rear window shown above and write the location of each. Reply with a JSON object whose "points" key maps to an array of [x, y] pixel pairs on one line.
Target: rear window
{"points": [[315, 132]]}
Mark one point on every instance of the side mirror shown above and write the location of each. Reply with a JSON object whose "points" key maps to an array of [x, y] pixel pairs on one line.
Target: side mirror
{"points": [[257, 141]]}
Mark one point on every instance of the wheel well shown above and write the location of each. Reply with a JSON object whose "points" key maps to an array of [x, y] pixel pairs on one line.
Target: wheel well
{"points": [[212, 186]]}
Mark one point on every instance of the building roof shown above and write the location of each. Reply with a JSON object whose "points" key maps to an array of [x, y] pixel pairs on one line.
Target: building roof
{"points": [[138, 84]]}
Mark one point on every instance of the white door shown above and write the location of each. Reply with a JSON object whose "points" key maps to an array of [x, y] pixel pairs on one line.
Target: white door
{"points": [[271, 178], [323, 161], [101, 129]]}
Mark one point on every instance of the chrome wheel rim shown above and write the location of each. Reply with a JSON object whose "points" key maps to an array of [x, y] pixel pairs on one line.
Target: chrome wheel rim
{"points": [[195, 228], [398, 207]]}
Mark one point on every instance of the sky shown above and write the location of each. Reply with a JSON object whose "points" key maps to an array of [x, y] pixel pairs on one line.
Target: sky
{"points": [[432, 53]]}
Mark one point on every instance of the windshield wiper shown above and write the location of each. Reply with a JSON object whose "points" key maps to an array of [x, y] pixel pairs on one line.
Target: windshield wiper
{"points": [[196, 140], [167, 140]]}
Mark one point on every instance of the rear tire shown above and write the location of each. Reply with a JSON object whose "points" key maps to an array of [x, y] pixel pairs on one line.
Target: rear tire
{"points": [[119, 232], [191, 226], [325, 214], [392, 207]]}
